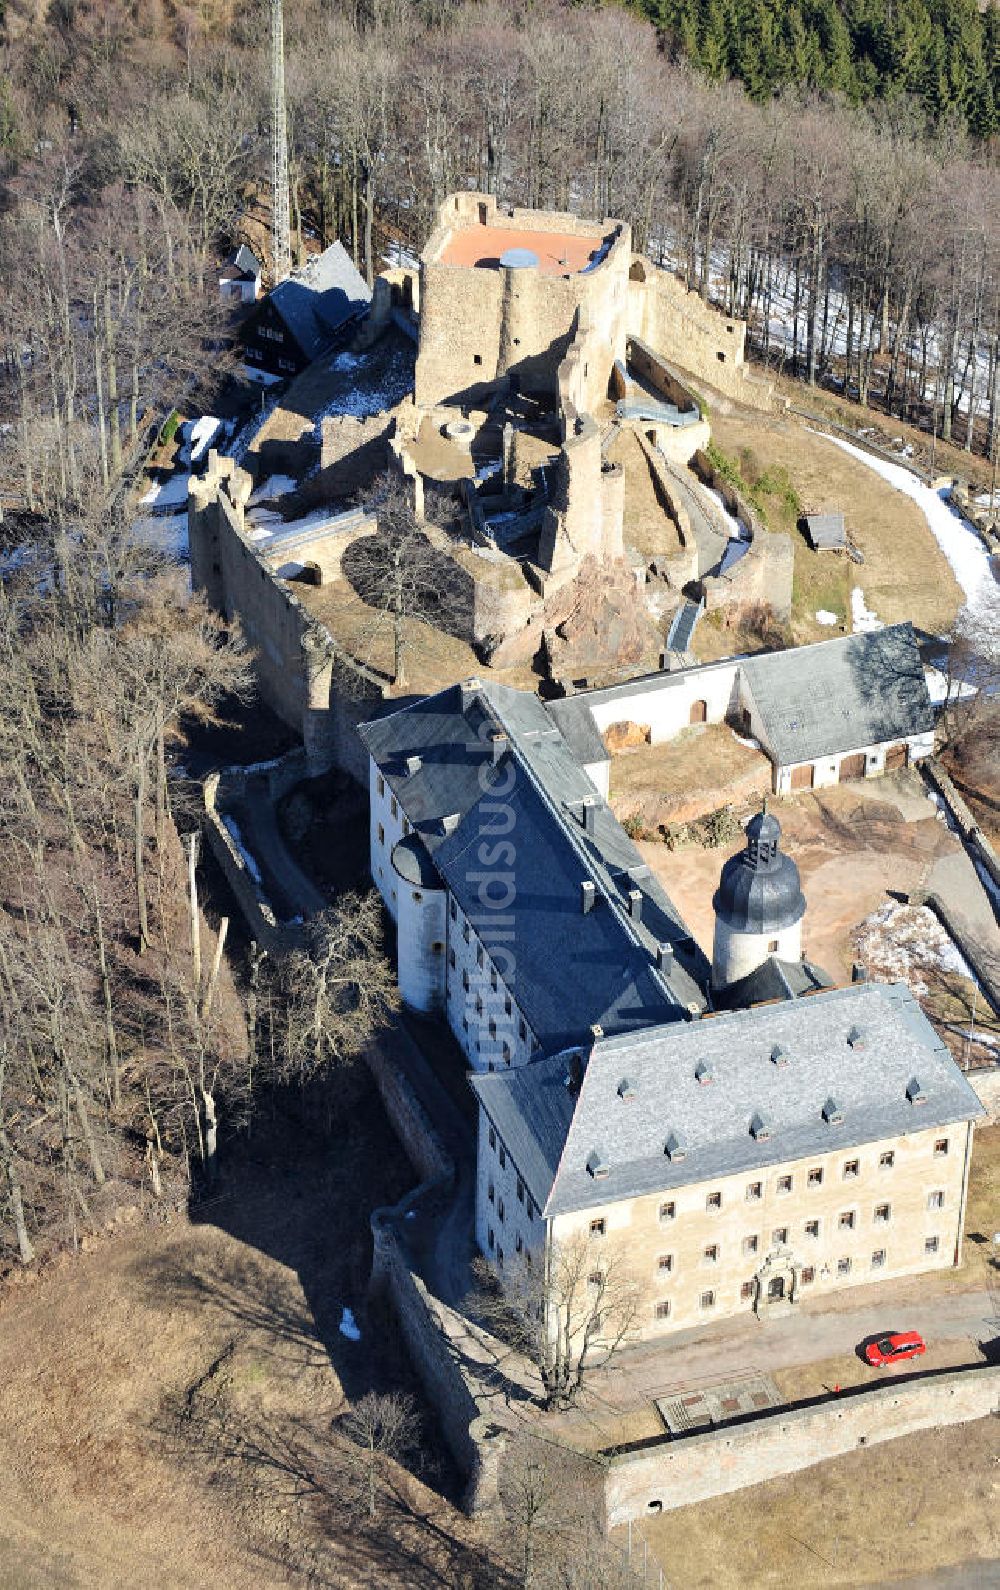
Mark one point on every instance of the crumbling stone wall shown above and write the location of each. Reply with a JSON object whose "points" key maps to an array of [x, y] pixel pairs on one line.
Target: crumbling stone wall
{"points": [[317, 690], [351, 452], [692, 334]]}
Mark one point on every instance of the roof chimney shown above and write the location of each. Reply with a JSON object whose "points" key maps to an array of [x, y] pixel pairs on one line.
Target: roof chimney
{"points": [[589, 816], [574, 1072], [413, 765], [596, 1034], [665, 958], [499, 744], [450, 822], [588, 895], [635, 904]]}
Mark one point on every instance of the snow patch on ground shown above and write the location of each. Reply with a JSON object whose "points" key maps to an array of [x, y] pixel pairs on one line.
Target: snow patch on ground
{"points": [[824, 617], [274, 486], [232, 828], [165, 495], [201, 436], [348, 1326], [908, 942], [372, 395], [863, 620], [954, 535]]}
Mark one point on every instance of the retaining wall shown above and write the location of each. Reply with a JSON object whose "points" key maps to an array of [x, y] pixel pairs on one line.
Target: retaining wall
{"points": [[676, 1473], [264, 926], [970, 830], [986, 1085]]}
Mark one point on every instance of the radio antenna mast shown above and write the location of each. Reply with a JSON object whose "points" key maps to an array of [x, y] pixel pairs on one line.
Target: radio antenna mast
{"points": [[281, 242]]}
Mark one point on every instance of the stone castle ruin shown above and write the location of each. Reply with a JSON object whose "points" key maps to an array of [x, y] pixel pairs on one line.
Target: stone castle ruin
{"points": [[554, 397]]}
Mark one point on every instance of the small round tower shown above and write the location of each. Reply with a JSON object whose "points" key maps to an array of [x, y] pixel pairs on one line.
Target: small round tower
{"points": [[759, 905], [421, 926]]}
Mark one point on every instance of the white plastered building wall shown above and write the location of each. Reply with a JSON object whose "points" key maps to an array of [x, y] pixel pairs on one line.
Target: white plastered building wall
{"points": [[509, 1225], [664, 702], [481, 1009], [387, 826], [421, 944], [737, 954]]}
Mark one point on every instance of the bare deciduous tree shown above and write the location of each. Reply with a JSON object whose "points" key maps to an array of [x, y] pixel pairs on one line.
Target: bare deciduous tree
{"points": [[569, 1316], [381, 1428]]}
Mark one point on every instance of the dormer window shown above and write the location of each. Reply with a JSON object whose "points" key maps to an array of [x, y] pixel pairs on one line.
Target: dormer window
{"points": [[760, 1127], [856, 1038], [915, 1092], [674, 1147], [597, 1166], [833, 1114], [780, 1056], [626, 1090], [704, 1072]]}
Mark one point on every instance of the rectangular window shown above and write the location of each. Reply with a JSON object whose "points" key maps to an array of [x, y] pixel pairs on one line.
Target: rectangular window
{"points": [[708, 1299], [491, 1239], [598, 1227], [522, 1030], [665, 1263], [878, 1259], [851, 1168], [595, 1280], [465, 981], [784, 1184], [711, 1253], [747, 1291], [500, 1211], [668, 1211], [815, 1177], [812, 1228], [500, 1256], [493, 1138], [662, 1309], [751, 1244], [883, 1213], [506, 1006], [713, 1201], [935, 1200], [754, 1191], [807, 1275], [493, 978], [451, 959], [465, 931], [381, 834], [779, 1236], [381, 785], [454, 910], [393, 807], [845, 1221], [503, 1157], [519, 1244], [490, 1194], [520, 1191], [479, 955], [843, 1266], [941, 1148], [931, 1244], [886, 1160]]}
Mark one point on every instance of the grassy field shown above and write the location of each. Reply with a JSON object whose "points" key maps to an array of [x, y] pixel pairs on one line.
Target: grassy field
{"points": [[698, 771], [904, 575], [874, 1516]]}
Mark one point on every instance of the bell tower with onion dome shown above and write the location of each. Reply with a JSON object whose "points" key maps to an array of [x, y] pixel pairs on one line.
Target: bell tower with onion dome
{"points": [[759, 905]]}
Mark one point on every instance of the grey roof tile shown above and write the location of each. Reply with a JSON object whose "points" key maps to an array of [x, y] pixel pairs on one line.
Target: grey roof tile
{"points": [[840, 695]]}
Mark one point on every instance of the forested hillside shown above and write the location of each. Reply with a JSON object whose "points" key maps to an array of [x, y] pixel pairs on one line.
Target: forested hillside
{"points": [[943, 53]]}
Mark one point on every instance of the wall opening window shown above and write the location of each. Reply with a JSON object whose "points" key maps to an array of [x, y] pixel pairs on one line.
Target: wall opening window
{"points": [[662, 1309], [665, 1263], [772, 947], [845, 1221], [843, 1266], [503, 1157], [477, 358], [381, 834], [851, 1169], [784, 1184], [812, 1228], [931, 1244], [751, 1244], [815, 1178], [808, 1275], [668, 1211], [940, 1148], [878, 1259], [935, 1200], [886, 1160], [779, 1236], [747, 1291], [713, 1201], [711, 1253], [883, 1213], [708, 1299], [755, 1191], [598, 1227]]}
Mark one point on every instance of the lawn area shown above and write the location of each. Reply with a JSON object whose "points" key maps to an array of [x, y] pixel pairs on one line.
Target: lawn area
{"points": [[904, 575], [873, 1516]]}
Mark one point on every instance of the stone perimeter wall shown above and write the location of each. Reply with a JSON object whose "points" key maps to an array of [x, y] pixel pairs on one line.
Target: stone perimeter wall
{"points": [[677, 1473]]}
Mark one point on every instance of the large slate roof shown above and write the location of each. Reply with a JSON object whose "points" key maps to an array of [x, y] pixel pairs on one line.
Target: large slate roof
{"points": [[866, 1080], [315, 301], [571, 969], [840, 695]]}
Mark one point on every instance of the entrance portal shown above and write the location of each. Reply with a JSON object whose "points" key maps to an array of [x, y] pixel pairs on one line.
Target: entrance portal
{"points": [[776, 1289], [776, 1284]]}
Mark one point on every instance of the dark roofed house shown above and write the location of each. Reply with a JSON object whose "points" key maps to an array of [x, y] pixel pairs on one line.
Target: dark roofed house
{"points": [[843, 708], [240, 277], [304, 315]]}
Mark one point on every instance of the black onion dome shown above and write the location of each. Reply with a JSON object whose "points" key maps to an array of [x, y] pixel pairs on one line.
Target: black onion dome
{"points": [[759, 890], [413, 863]]}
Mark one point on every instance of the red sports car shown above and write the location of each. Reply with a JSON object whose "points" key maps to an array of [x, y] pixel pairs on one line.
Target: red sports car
{"points": [[891, 1349]]}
